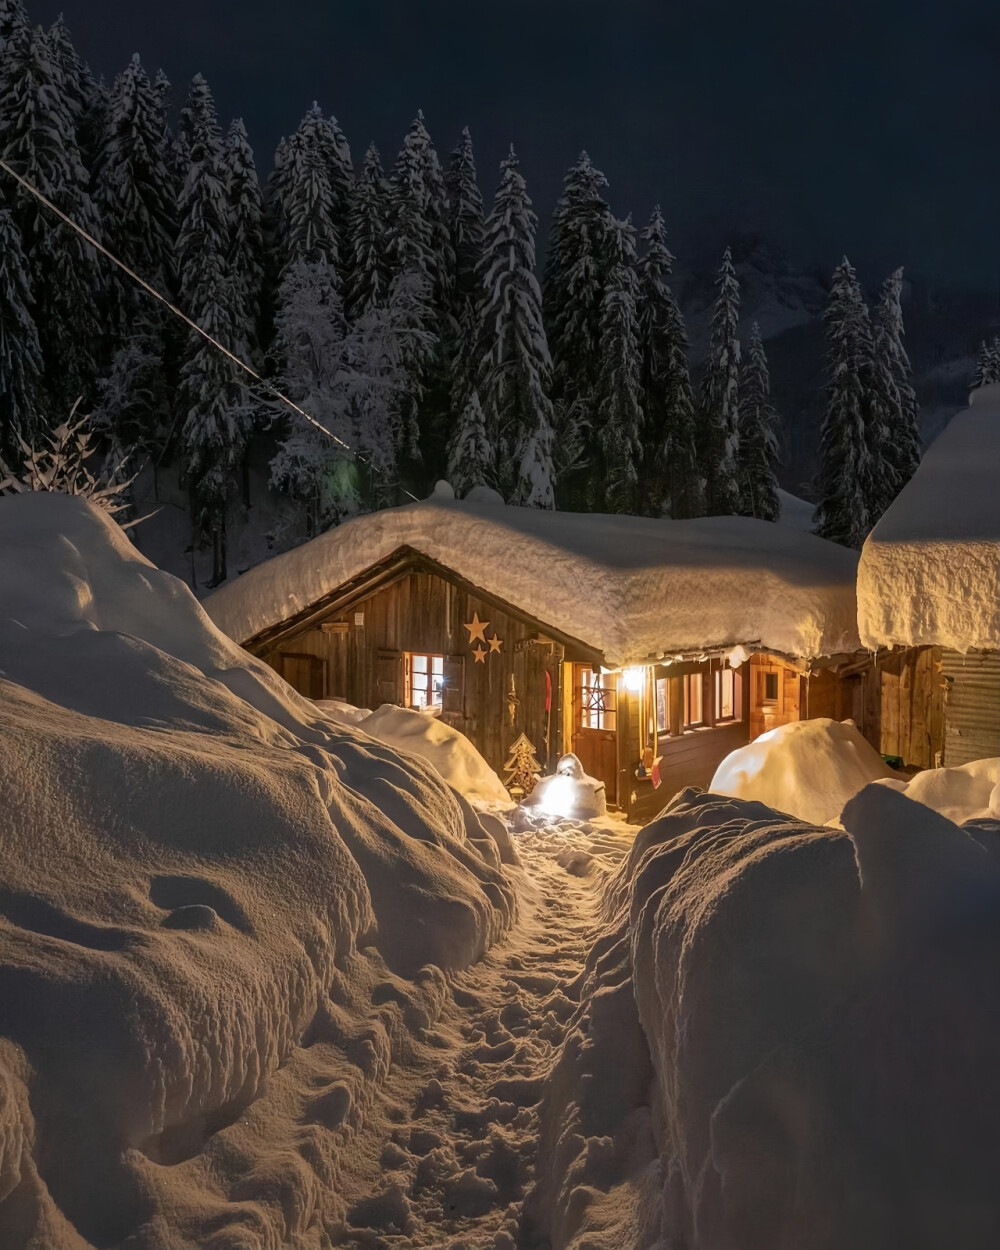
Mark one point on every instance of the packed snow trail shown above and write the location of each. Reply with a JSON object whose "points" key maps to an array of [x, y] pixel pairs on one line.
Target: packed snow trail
{"points": [[447, 1158]]}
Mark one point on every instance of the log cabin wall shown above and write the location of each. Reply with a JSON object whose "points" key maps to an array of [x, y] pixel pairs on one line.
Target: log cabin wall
{"points": [[359, 657], [687, 756], [775, 692]]}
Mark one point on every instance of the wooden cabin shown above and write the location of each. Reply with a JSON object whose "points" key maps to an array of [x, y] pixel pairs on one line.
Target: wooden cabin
{"points": [[412, 629], [929, 601]]}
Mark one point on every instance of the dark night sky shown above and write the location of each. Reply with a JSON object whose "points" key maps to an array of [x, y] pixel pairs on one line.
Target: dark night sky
{"points": [[861, 126]]}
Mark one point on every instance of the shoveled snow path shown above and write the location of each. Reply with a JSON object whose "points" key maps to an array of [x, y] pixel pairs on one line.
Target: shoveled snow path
{"points": [[447, 1162]]}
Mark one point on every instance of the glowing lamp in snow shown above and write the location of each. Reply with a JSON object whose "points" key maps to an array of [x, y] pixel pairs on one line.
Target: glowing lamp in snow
{"points": [[569, 793]]}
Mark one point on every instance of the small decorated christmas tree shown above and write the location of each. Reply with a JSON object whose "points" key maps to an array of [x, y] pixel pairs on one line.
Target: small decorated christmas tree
{"points": [[522, 769]]}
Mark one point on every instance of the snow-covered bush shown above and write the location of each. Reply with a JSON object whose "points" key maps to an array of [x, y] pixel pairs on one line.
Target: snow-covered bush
{"points": [[64, 464]]}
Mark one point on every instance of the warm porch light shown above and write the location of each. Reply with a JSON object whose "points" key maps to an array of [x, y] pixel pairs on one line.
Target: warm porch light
{"points": [[632, 678]]}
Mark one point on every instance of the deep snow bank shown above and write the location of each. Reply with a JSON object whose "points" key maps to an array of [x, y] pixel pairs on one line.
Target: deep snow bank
{"points": [[806, 1060], [448, 751], [192, 862], [808, 769]]}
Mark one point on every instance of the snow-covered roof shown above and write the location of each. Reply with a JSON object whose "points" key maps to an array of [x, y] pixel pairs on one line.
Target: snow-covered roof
{"points": [[631, 588], [930, 570]]}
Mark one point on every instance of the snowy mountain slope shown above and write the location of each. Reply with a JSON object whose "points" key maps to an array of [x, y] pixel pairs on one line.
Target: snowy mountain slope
{"points": [[206, 891]]}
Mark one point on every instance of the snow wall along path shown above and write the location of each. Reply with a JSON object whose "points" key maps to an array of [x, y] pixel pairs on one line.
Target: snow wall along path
{"points": [[786, 1039], [204, 886]]}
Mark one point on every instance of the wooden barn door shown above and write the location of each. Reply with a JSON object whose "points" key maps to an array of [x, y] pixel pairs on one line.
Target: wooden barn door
{"points": [[595, 725]]}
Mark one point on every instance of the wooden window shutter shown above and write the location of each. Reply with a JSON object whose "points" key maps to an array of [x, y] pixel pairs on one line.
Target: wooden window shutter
{"points": [[453, 695], [389, 677]]}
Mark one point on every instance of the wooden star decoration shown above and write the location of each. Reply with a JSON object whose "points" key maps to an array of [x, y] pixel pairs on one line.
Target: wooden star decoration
{"points": [[477, 628], [495, 643], [479, 653]]}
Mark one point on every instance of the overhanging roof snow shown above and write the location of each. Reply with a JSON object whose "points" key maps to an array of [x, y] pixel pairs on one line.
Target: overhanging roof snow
{"points": [[633, 589], [930, 569]]}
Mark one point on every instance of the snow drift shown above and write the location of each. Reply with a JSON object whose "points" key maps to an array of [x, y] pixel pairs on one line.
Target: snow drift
{"points": [[930, 569], [203, 886], [785, 1039], [632, 587], [448, 751], [808, 768]]}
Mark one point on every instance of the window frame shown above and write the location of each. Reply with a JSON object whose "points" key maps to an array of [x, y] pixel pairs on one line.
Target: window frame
{"points": [[410, 674]]}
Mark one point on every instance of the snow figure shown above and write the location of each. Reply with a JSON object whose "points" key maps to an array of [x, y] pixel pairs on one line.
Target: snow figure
{"points": [[522, 768], [669, 472], [569, 792], [516, 367], [845, 446], [758, 447], [619, 387], [720, 399]]}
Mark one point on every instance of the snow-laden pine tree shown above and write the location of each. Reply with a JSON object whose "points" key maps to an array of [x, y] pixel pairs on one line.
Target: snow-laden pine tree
{"points": [[575, 276], [246, 239], [620, 378], [351, 378], [845, 465], [516, 369], [134, 189], [420, 252], [719, 412], [313, 465], [471, 460], [86, 98], [304, 197], [467, 222], [419, 234], [368, 270], [668, 475], [987, 364], [12, 15], [39, 141], [758, 443], [215, 408], [20, 353], [137, 198], [896, 453]]}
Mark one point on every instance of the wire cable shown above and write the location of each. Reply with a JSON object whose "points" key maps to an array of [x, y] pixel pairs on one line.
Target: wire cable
{"points": [[177, 312]]}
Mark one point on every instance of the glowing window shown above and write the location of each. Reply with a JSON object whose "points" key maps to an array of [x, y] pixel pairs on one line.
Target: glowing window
{"points": [[597, 700], [725, 694], [424, 680], [694, 700]]}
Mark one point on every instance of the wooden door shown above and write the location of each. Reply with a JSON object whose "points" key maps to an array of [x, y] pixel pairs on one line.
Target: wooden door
{"points": [[595, 725]]}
